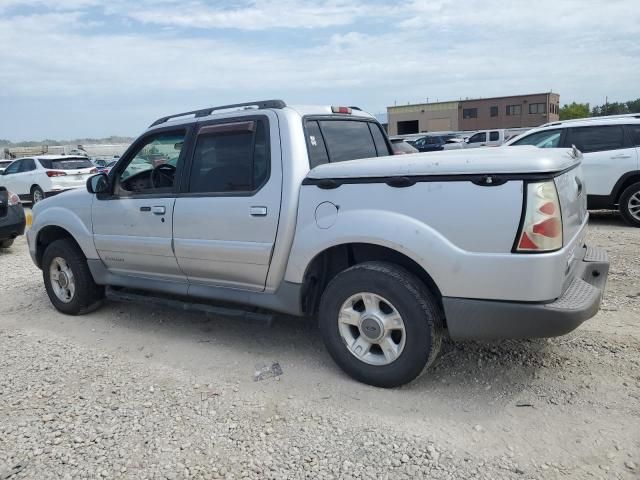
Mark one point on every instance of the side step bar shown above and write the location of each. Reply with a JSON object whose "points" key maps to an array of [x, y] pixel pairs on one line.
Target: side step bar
{"points": [[186, 305]]}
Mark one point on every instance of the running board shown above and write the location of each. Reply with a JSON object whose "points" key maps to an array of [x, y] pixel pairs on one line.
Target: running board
{"points": [[131, 297]]}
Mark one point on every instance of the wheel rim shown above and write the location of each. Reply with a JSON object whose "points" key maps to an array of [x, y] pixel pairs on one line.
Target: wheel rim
{"points": [[37, 195], [634, 205], [62, 280], [372, 329]]}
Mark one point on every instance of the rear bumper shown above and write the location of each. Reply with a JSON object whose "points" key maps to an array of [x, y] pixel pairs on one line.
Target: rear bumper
{"points": [[13, 224], [472, 319]]}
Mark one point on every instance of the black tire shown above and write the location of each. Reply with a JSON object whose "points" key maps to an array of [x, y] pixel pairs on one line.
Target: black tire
{"points": [[6, 243], [88, 296], [629, 192], [422, 317], [36, 191]]}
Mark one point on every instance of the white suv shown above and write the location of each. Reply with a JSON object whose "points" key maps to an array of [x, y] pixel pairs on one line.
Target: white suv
{"points": [[36, 178], [611, 149]]}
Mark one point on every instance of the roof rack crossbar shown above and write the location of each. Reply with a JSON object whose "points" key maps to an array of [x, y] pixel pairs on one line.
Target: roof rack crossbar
{"points": [[208, 111]]}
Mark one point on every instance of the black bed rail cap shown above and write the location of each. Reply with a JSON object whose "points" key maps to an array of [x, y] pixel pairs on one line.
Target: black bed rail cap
{"points": [[208, 111]]}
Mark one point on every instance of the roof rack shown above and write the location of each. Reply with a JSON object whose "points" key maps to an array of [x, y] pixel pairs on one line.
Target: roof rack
{"points": [[207, 111], [620, 116]]}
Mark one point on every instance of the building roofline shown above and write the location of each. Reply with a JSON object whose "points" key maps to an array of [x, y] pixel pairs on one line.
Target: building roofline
{"points": [[475, 99]]}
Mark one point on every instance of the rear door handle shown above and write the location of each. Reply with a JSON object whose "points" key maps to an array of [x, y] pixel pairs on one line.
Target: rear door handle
{"points": [[620, 156], [258, 211], [158, 210]]}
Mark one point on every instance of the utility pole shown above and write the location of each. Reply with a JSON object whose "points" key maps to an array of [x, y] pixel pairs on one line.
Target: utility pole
{"points": [[606, 104]]}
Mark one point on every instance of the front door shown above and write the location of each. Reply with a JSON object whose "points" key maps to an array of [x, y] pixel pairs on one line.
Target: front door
{"points": [[132, 225], [226, 219]]}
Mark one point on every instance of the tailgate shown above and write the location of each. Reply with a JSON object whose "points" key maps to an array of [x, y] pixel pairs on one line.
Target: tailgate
{"points": [[573, 202], [73, 178]]}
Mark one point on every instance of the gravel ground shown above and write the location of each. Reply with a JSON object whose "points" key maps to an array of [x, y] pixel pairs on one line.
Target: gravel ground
{"points": [[135, 391]]}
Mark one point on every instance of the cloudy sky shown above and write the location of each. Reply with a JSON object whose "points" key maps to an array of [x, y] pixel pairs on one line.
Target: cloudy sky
{"points": [[77, 68]]}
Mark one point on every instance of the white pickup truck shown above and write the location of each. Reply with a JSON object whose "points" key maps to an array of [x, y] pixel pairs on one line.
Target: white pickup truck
{"points": [[301, 210]]}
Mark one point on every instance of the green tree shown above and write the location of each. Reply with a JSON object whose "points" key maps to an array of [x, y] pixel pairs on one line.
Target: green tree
{"points": [[613, 108], [634, 105], [574, 110]]}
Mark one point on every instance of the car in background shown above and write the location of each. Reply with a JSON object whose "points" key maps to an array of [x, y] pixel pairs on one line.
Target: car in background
{"points": [[104, 166], [4, 164], [611, 159], [435, 143], [401, 147], [487, 138], [12, 219], [35, 178]]}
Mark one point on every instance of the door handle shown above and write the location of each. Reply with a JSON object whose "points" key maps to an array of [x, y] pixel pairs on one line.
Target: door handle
{"points": [[620, 156], [258, 211], [158, 210]]}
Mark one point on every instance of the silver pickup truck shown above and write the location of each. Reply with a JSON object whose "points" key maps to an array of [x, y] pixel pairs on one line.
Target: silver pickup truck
{"points": [[302, 210]]}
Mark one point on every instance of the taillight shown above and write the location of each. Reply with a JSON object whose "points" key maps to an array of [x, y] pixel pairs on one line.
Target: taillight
{"points": [[93, 170], [55, 173], [542, 223], [13, 199], [341, 110]]}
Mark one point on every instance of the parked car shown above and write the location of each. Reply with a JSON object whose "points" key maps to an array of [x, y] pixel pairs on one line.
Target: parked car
{"points": [[12, 220], [288, 209], [4, 164], [487, 138], [611, 150], [401, 147], [36, 178], [434, 143]]}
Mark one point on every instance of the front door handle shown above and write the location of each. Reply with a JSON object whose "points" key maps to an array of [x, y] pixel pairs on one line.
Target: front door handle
{"points": [[616, 157], [158, 210], [258, 211]]}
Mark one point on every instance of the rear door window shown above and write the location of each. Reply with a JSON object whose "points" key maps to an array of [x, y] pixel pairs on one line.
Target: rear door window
{"points": [[634, 133], [315, 144], [379, 140], [597, 139], [494, 136], [27, 165]]}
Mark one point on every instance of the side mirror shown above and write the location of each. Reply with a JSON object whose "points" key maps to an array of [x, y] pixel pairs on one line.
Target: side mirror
{"points": [[98, 183]]}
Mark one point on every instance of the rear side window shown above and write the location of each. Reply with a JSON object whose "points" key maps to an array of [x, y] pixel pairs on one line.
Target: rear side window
{"points": [[66, 163], [544, 139], [342, 140], [634, 131], [597, 139], [230, 159], [494, 136]]}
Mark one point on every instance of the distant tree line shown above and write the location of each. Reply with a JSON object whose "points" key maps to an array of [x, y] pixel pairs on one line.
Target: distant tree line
{"points": [[582, 110], [77, 141]]}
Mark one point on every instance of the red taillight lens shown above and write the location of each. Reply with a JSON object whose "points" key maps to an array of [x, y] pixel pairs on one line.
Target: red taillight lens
{"points": [[341, 110], [55, 173], [93, 170], [542, 223], [13, 199]]}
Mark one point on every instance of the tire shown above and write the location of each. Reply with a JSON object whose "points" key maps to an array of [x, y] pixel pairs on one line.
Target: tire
{"points": [[66, 257], [6, 243], [394, 291], [630, 204], [37, 195]]}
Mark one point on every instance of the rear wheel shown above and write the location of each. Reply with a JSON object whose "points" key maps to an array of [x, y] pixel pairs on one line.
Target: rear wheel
{"points": [[630, 204], [6, 243], [37, 195], [380, 324], [68, 280]]}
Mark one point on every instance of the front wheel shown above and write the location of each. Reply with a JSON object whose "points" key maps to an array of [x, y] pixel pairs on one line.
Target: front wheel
{"points": [[68, 280], [630, 204], [380, 324]]}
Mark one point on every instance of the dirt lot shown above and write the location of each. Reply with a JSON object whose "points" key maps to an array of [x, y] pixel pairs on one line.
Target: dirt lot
{"points": [[133, 391]]}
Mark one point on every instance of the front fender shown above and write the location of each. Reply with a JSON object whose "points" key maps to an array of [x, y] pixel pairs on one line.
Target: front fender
{"points": [[76, 221]]}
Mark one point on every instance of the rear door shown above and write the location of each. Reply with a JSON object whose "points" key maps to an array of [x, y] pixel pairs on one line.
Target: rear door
{"points": [[226, 217], [607, 155]]}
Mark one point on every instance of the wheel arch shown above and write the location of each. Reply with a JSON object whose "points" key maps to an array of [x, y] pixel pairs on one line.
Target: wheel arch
{"points": [[326, 264], [49, 234], [623, 182]]}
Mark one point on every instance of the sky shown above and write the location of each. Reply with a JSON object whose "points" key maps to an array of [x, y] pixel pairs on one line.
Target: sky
{"points": [[88, 68]]}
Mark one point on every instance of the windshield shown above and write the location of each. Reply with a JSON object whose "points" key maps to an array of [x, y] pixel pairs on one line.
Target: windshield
{"points": [[65, 163]]}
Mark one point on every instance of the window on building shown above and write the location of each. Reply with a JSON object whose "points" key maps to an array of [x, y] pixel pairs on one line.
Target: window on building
{"points": [[470, 113], [537, 108], [514, 110], [494, 111]]}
